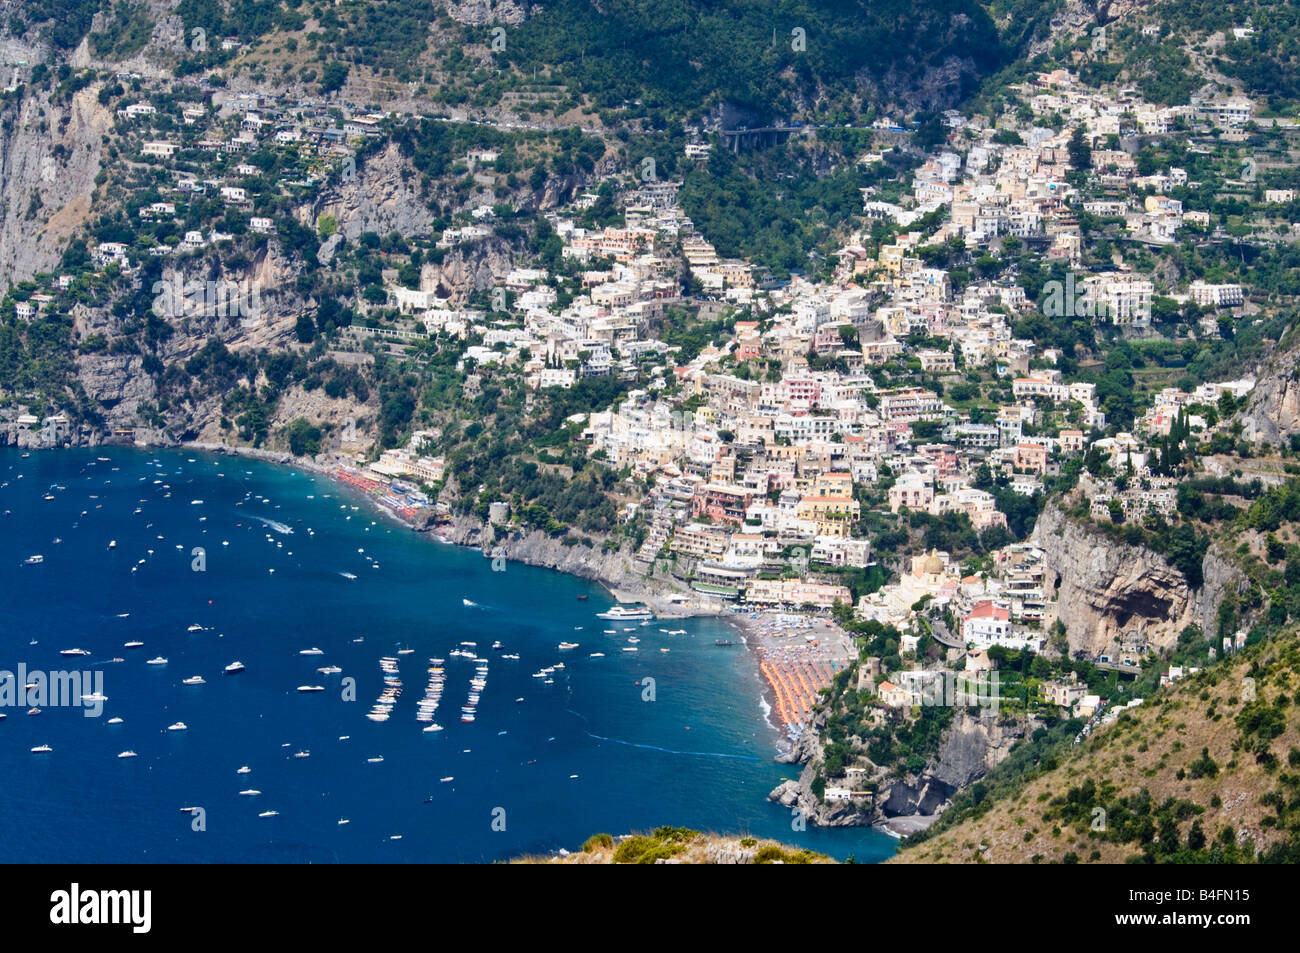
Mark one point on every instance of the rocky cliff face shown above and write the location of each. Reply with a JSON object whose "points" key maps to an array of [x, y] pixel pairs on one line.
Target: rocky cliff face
{"points": [[376, 197], [973, 744], [50, 153], [1272, 410], [1105, 588], [480, 12]]}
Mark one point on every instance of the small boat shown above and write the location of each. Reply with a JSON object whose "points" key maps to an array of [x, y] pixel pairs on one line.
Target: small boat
{"points": [[470, 604], [33, 711], [244, 770], [42, 749], [329, 670], [269, 814], [234, 668], [375, 760], [629, 648], [311, 651], [33, 560], [344, 820], [597, 655], [190, 810], [112, 544], [568, 645], [302, 754], [195, 628], [433, 728], [115, 721], [179, 726], [193, 680], [251, 792], [446, 779], [723, 642], [311, 688], [156, 661], [133, 645], [127, 754], [582, 598], [73, 652]]}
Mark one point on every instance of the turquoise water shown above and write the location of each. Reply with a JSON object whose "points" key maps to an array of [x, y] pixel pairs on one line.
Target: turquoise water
{"points": [[587, 753]]}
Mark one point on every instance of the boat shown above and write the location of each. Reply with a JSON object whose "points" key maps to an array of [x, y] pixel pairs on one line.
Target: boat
{"points": [[312, 651], [193, 680], [156, 661], [112, 544], [468, 603], [723, 642], [128, 754], [624, 614], [443, 780], [195, 628], [329, 670], [115, 721], [311, 688], [251, 792], [234, 668], [133, 645], [582, 598], [597, 655], [497, 646], [629, 648], [179, 726], [269, 814], [73, 652], [568, 645], [433, 727], [42, 749], [375, 760], [302, 754], [244, 770]]}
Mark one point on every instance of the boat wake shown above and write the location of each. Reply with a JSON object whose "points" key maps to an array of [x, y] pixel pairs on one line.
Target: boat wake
{"points": [[279, 527]]}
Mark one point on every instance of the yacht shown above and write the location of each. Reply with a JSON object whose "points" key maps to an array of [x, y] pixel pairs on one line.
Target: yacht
{"points": [[244, 770], [375, 760], [179, 726], [443, 780], [269, 814], [193, 680], [127, 754], [302, 754], [42, 749], [433, 727], [156, 661], [312, 651], [195, 628], [624, 614], [34, 560], [234, 668], [115, 721], [311, 688], [73, 652], [568, 645], [133, 645], [329, 670]]}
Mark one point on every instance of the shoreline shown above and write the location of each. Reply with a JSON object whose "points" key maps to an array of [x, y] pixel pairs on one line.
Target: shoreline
{"points": [[763, 632]]}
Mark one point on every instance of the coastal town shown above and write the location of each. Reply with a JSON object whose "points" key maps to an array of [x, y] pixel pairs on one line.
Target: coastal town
{"points": [[847, 460]]}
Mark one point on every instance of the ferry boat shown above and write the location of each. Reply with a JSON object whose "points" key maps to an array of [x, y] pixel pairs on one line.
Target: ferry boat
{"points": [[234, 668], [624, 614]]}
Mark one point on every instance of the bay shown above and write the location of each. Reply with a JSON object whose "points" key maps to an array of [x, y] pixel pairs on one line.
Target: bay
{"points": [[260, 558]]}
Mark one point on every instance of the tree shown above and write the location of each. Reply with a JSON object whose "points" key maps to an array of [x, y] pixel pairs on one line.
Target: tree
{"points": [[1079, 150]]}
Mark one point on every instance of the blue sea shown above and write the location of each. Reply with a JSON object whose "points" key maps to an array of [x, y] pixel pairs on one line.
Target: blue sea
{"points": [[542, 766]]}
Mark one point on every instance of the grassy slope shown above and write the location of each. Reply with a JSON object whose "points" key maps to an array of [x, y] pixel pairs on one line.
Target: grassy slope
{"points": [[1146, 749]]}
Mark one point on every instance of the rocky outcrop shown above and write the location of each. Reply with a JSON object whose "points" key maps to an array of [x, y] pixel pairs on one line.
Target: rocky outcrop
{"points": [[481, 12], [375, 197], [49, 157], [1272, 411], [1106, 589], [616, 570]]}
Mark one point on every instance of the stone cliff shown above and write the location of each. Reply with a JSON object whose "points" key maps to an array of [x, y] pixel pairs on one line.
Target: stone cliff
{"points": [[1105, 588]]}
